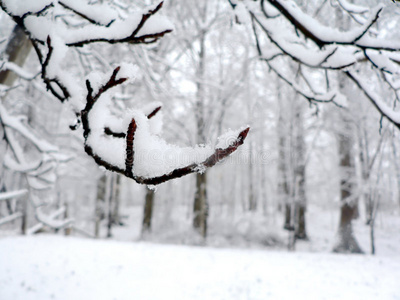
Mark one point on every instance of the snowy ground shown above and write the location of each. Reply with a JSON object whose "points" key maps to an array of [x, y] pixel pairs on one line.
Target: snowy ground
{"points": [[262, 232], [54, 267]]}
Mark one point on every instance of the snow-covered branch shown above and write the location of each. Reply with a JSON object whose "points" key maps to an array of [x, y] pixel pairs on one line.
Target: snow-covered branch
{"points": [[104, 24], [51, 33], [322, 35], [17, 70], [40, 173], [380, 105], [135, 150], [13, 194]]}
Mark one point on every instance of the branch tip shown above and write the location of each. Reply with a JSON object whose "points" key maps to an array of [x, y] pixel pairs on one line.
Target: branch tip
{"points": [[154, 112]]}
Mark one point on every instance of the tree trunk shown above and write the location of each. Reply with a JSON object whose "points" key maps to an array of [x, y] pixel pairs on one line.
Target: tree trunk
{"points": [[200, 208], [116, 216], [397, 168], [17, 50], [293, 166], [67, 230], [301, 205], [99, 205], [252, 197], [111, 202], [24, 220], [346, 242], [283, 187], [300, 175], [148, 211]]}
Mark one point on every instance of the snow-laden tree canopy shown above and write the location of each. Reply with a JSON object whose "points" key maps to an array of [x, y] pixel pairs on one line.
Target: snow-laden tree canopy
{"points": [[320, 45]]}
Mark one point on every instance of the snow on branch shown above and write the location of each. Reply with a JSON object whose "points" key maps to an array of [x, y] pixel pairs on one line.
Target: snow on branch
{"points": [[48, 25], [17, 70], [51, 220], [92, 13], [10, 218], [348, 46], [314, 58], [353, 8], [312, 96], [13, 194], [135, 151], [322, 35], [40, 172], [16, 124], [356, 12], [23, 8], [139, 29], [104, 24]]}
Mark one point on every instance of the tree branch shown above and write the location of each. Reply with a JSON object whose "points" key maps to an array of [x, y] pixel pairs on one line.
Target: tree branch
{"points": [[218, 155]]}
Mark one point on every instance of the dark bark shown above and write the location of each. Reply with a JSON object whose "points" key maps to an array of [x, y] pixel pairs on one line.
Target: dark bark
{"points": [[299, 225], [300, 175], [288, 213], [347, 242], [200, 208], [300, 216], [301, 233], [24, 218]]}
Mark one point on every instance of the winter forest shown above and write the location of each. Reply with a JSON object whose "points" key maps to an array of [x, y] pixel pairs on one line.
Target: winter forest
{"points": [[213, 149]]}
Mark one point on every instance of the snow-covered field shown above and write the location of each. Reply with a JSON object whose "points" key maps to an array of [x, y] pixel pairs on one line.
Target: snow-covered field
{"points": [[55, 267]]}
